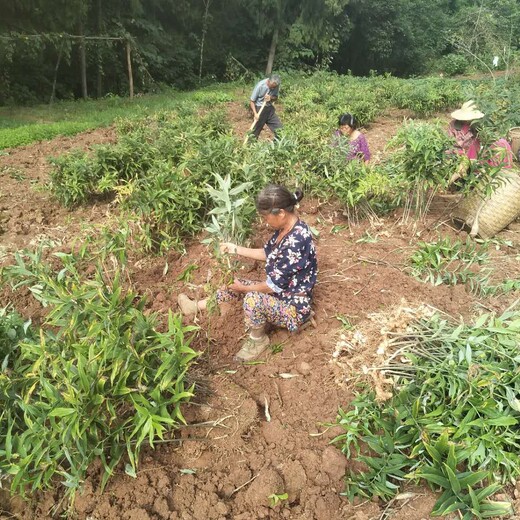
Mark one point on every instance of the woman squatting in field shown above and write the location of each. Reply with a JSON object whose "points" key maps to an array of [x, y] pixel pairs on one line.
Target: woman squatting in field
{"points": [[358, 146], [284, 297]]}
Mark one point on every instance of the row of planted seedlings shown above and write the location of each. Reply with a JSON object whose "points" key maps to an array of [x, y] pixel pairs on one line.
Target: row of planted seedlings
{"points": [[96, 377]]}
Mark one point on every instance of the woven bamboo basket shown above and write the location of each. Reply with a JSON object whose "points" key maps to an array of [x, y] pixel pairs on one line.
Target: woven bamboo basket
{"points": [[514, 138], [488, 216]]}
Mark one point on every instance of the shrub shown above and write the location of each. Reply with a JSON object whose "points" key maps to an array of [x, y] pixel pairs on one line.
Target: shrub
{"points": [[453, 64], [74, 178], [165, 206], [98, 381]]}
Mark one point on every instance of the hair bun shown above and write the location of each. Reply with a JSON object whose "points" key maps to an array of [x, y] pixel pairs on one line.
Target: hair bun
{"points": [[298, 195]]}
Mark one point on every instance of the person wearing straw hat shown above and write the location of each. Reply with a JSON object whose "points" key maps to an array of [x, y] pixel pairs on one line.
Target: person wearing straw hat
{"points": [[465, 133], [462, 130]]}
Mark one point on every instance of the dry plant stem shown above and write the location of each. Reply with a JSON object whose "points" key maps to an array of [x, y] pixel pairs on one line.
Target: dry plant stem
{"points": [[180, 441], [362, 504], [366, 285], [211, 424], [377, 262], [278, 393], [243, 485], [429, 201], [387, 511], [9, 514]]}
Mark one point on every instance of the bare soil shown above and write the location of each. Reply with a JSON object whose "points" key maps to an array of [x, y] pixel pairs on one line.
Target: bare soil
{"points": [[254, 430]]}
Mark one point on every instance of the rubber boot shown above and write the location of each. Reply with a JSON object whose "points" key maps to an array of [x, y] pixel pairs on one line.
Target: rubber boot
{"points": [[253, 346], [188, 307]]}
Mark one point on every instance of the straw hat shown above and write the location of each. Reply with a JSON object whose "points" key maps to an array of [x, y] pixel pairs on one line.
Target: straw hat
{"points": [[468, 112]]}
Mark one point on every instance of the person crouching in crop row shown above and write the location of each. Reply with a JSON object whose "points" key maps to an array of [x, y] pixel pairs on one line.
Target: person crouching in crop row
{"points": [[284, 297], [358, 147], [467, 144]]}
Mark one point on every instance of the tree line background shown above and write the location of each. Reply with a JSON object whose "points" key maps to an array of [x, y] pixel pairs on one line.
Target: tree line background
{"points": [[75, 48]]}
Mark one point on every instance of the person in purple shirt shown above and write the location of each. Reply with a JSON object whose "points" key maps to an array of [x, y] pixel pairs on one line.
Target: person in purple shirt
{"points": [[358, 146], [283, 298]]}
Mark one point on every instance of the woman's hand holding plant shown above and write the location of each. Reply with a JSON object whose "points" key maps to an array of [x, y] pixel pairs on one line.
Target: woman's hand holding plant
{"points": [[228, 247], [238, 286]]}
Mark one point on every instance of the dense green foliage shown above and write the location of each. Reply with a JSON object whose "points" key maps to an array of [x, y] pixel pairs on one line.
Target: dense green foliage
{"points": [[451, 262], [452, 421], [186, 42], [163, 168], [96, 380]]}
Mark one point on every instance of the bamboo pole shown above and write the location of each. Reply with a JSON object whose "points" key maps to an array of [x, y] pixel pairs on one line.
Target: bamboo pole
{"points": [[55, 79]]}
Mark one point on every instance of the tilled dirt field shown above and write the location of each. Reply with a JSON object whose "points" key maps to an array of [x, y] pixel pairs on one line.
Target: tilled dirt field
{"points": [[263, 429]]}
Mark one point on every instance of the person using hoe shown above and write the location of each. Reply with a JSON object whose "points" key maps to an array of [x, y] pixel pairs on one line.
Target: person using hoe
{"points": [[358, 146], [283, 298], [261, 102]]}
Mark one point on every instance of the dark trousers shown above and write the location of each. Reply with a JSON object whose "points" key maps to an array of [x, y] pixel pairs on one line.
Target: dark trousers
{"points": [[270, 118]]}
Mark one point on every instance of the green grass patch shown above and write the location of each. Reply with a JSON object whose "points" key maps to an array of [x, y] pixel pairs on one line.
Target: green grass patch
{"points": [[23, 125]]}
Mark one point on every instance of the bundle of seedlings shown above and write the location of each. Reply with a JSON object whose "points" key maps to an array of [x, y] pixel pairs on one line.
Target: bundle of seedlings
{"points": [[232, 218], [419, 158], [451, 418]]}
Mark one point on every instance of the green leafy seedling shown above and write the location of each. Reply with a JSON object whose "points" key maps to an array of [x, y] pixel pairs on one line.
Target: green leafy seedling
{"points": [[338, 228], [345, 322], [276, 348], [187, 274], [367, 238], [275, 498]]}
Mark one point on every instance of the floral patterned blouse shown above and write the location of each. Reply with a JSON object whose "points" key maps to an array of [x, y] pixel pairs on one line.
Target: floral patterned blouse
{"points": [[291, 267], [466, 139]]}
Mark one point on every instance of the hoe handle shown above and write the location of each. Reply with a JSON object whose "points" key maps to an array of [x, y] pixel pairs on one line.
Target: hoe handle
{"points": [[254, 122]]}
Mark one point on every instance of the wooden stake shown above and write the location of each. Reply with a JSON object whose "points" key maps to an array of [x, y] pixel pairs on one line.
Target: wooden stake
{"points": [[129, 64], [83, 65], [53, 94]]}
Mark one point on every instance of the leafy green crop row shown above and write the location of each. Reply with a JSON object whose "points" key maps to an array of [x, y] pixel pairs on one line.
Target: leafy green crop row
{"points": [[453, 420], [96, 380]]}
